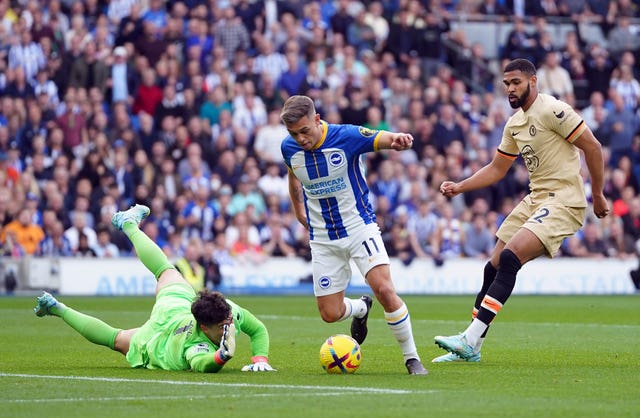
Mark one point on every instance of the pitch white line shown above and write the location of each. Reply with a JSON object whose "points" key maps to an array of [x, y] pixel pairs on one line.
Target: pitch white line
{"points": [[156, 398], [442, 321], [235, 385]]}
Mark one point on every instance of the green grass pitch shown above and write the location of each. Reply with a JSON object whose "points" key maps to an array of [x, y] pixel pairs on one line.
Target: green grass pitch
{"points": [[563, 356]]}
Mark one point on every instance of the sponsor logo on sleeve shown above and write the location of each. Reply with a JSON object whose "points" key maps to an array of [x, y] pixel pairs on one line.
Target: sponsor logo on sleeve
{"points": [[202, 348], [366, 132]]}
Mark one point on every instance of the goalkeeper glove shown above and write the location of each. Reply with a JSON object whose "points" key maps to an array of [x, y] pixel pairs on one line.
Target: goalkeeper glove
{"points": [[260, 364], [227, 345]]}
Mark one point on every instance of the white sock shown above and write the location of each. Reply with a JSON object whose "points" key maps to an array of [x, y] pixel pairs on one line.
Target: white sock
{"points": [[399, 322], [478, 345], [354, 307], [474, 331]]}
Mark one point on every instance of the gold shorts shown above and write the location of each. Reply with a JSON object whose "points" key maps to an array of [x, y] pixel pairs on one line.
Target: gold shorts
{"points": [[548, 219]]}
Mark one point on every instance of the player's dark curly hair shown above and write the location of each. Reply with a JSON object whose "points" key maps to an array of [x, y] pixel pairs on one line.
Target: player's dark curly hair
{"points": [[210, 308], [521, 64]]}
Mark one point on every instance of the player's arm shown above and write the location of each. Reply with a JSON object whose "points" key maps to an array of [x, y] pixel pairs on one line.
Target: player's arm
{"points": [[393, 140], [204, 358], [592, 149], [487, 175], [297, 198], [259, 337]]}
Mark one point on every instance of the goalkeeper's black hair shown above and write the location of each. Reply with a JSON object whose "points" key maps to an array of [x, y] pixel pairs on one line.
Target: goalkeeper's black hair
{"points": [[210, 308], [521, 64]]}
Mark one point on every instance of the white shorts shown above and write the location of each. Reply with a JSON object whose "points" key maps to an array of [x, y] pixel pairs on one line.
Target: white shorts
{"points": [[330, 259]]}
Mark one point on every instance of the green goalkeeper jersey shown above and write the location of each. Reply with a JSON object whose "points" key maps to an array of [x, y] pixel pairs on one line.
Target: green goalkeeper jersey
{"points": [[171, 339]]}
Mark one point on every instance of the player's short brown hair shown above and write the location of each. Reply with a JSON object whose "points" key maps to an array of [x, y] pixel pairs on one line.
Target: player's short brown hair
{"points": [[297, 107]]}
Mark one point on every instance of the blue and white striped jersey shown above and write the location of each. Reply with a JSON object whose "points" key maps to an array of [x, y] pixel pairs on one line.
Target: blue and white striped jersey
{"points": [[336, 195]]}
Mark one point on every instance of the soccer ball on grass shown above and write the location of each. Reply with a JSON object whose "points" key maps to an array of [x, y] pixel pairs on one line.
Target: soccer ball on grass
{"points": [[340, 354]]}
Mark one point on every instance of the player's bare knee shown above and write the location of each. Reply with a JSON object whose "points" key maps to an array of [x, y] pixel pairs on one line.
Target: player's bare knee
{"points": [[329, 315]]}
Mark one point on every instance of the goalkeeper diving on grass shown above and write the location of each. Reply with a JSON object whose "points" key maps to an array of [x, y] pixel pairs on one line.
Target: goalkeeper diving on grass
{"points": [[186, 331]]}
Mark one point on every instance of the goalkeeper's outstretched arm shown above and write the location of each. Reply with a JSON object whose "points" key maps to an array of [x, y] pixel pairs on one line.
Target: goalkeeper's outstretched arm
{"points": [[259, 336]]}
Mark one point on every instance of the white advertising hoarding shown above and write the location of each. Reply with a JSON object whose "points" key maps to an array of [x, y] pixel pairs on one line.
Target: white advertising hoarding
{"points": [[127, 276]]}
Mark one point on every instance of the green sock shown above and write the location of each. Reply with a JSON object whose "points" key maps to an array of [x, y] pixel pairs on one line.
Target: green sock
{"points": [[91, 328], [148, 251]]}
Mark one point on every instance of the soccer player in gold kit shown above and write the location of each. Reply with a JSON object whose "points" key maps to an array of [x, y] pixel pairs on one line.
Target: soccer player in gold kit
{"points": [[548, 134]]}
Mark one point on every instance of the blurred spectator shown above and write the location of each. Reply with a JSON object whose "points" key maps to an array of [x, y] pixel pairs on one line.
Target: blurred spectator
{"points": [[55, 244], [104, 247], [622, 38], [216, 102], [231, 34], [189, 266], [25, 234], [447, 129], [598, 70], [360, 34], [398, 240], [449, 238], [84, 249], [592, 244], [618, 244], [479, 240], [293, 78], [149, 45], [387, 184], [122, 174], [18, 87], [553, 79], [198, 216], [342, 19], [79, 229], [26, 54], [148, 95], [128, 21], [247, 195], [497, 8], [72, 123], [244, 248], [269, 137], [626, 86], [269, 61], [276, 240], [402, 42], [171, 105], [421, 228], [618, 129], [595, 113], [272, 183]]}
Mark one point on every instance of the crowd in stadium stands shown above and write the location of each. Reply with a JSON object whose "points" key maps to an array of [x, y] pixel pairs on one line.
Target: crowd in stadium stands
{"points": [[175, 104]]}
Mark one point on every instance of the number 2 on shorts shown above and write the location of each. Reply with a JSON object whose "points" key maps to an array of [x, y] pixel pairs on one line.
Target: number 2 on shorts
{"points": [[542, 213]]}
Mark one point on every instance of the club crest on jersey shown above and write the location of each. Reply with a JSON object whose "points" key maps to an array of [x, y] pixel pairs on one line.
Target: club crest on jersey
{"points": [[366, 132], [530, 158], [324, 282], [336, 159]]}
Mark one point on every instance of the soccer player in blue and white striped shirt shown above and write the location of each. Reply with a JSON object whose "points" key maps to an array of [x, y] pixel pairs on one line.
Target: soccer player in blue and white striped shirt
{"points": [[330, 198]]}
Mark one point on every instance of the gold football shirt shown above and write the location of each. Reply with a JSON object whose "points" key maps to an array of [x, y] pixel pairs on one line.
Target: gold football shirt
{"points": [[544, 136]]}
